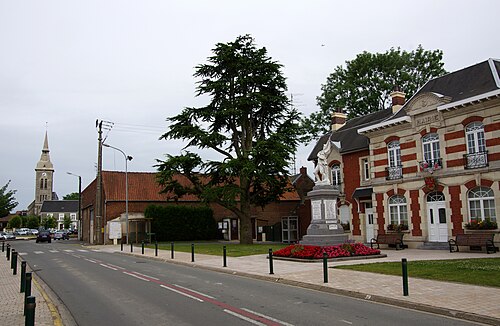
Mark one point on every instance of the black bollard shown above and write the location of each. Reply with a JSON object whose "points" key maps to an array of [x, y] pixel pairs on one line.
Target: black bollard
{"points": [[27, 289], [156, 248], [404, 265], [131, 247], [142, 246], [8, 251], [30, 311], [325, 267], [224, 260], [3, 246], [121, 244], [14, 263], [23, 276], [12, 254], [172, 250], [271, 269], [192, 252]]}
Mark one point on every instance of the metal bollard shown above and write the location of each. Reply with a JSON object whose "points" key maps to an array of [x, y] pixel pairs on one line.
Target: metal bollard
{"points": [[30, 311], [8, 251], [224, 259], [172, 250], [192, 252], [14, 263], [121, 244], [271, 269], [3, 246], [23, 276], [131, 247], [404, 265], [12, 254], [156, 248], [325, 267], [142, 246], [27, 289]]}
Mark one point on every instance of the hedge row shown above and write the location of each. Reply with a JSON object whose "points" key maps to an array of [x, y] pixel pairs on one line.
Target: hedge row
{"points": [[182, 223]]}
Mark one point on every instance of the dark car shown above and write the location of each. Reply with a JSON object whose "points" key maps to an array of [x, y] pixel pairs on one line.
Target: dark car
{"points": [[61, 235], [43, 236]]}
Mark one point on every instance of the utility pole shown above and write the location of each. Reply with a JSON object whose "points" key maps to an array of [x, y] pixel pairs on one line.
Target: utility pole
{"points": [[98, 232]]}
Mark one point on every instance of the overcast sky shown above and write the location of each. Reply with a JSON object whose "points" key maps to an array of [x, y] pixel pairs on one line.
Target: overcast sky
{"points": [[68, 63]]}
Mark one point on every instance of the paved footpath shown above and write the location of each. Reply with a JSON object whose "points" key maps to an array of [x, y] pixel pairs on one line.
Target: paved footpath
{"points": [[476, 303]]}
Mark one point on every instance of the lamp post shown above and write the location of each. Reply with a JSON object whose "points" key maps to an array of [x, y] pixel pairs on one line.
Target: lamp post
{"points": [[79, 205], [127, 158]]}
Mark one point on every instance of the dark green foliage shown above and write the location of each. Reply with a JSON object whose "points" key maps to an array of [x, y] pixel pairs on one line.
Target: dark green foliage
{"points": [[7, 200], [49, 222], [15, 222], [66, 221], [33, 222], [364, 84], [182, 223], [71, 196]]}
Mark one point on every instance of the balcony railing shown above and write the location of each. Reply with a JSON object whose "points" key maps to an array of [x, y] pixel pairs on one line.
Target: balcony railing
{"points": [[476, 160], [337, 186], [394, 172], [431, 165]]}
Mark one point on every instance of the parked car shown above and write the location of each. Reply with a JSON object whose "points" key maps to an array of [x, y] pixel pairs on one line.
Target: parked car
{"points": [[61, 235], [43, 236], [8, 236], [34, 231], [23, 231]]}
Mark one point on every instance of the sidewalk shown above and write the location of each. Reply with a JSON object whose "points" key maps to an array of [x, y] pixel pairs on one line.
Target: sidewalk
{"points": [[12, 300], [475, 303]]}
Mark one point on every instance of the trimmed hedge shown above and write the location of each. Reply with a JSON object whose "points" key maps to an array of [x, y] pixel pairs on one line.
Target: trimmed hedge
{"points": [[182, 223]]}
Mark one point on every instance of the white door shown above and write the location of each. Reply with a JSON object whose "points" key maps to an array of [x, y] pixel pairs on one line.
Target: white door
{"points": [[370, 233], [436, 218]]}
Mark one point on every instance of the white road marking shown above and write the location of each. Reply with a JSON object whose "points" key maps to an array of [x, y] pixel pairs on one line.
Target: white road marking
{"points": [[182, 293], [136, 276], [104, 265], [38, 252], [68, 250], [115, 266], [244, 317], [22, 253], [267, 317], [83, 250], [154, 278], [346, 321], [96, 250], [90, 260], [53, 251], [203, 294]]}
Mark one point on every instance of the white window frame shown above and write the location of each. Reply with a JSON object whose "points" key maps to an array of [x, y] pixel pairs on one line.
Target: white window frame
{"points": [[366, 169], [430, 148], [336, 178], [398, 210], [394, 154], [481, 202], [474, 134]]}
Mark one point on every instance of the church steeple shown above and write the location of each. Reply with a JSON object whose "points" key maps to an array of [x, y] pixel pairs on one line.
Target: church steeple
{"points": [[44, 176]]}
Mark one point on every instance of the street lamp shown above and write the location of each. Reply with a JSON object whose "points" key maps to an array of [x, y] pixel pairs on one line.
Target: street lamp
{"points": [[127, 158], [79, 205]]}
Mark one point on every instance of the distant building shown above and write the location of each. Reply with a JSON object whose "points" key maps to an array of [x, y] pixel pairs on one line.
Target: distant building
{"points": [[59, 209]]}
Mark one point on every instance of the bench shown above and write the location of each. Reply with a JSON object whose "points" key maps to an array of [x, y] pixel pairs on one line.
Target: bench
{"points": [[388, 239], [473, 240]]}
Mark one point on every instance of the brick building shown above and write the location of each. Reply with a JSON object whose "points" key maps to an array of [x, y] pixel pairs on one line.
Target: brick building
{"points": [[288, 218], [430, 164]]}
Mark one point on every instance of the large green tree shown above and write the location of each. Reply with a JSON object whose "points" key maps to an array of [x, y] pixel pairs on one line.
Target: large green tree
{"points": [[7, 200], [364, 84], [71, 196], [249, 122]]}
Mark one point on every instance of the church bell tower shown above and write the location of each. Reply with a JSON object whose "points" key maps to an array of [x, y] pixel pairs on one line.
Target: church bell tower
{"points": [[44, 176]]}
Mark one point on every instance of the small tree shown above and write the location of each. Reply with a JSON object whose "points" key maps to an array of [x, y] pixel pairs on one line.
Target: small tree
{"points": [[71, 196], [7, 200], [49, 222], [15, 222], [33, 222], [66, 221]]}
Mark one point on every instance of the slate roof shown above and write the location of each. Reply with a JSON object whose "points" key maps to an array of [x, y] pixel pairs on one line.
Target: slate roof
{"points": [[59, 206]]}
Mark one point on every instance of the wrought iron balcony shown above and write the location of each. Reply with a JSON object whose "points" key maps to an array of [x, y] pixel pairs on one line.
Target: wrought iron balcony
{"points": [[431, 165], [476, 160], [394, 172]]}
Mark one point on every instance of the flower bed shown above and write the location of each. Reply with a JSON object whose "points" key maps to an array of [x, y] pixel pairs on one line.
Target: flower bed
{"points": [[316, 252]]}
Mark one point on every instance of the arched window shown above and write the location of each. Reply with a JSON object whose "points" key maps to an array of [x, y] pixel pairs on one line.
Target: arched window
{"points": [[475, 138], [336, 181], [398, 210], [435, 196], [430, 144], [481, 204], [394, 154]]}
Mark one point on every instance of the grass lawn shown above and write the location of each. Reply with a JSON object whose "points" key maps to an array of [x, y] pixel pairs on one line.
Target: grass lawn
{"points": [[481, 271], [215, 248]]}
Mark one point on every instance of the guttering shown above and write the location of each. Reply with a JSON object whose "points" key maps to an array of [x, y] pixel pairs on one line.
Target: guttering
{"points": [[469, 101], [385, 124]]}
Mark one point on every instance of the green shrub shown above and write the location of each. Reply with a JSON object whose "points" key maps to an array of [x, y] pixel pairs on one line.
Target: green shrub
{"points": [[181, 223]]}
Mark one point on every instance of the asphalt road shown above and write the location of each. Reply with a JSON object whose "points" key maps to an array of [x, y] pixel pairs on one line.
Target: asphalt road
{"points": [[110, 289]]}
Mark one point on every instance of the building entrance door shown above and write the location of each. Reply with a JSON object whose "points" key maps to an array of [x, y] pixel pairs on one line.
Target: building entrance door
{"points": [[436, 217], [370, 231]]}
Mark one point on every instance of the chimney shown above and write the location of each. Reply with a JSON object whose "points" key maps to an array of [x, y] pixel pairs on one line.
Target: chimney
{"points": [[398, 99], [338, 119], [303, 170]]}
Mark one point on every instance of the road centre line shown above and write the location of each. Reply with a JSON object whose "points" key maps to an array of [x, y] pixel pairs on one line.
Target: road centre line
{"points": [[182, 293], [53, 251], [104, 265], [154, 278], [118, 267], [90, 260], [268, 317], [203, 294], [237, 315], [38, 252], [136, 276]]}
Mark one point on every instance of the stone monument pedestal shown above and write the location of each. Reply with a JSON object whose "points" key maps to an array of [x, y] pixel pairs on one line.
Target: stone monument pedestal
{"points": [[325, 228]]}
